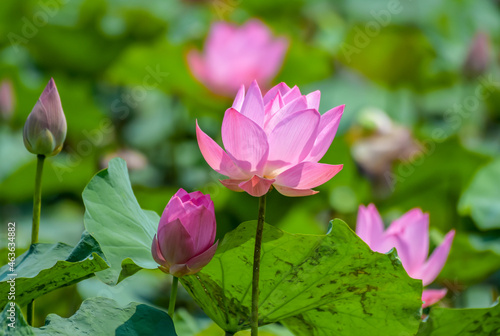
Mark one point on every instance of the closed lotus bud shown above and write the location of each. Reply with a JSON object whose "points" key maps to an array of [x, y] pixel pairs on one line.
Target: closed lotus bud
{"points": [[184, 243], [45, 128]]}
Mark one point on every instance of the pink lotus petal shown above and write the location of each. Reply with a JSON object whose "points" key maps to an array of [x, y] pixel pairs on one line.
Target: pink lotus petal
{"points": [[238, 100], [272, 58], [199, 199], [436, 261], [298, 105], [307, 175], [195, 264], [253, 107], [216, 157], [173, 210], [219, 34], [197, 65], [170, 237], [245, 142], [291, 95], [291, 192], [201, 226], [281, 88], [256, 186], [232, 184], [256, 31], [370, 228], [431, 296], [155, 250], [327, 129], [412, 230], [273, 106], [313, 99], [292, 138]]}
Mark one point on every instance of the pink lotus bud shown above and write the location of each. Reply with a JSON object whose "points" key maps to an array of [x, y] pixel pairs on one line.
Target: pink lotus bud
{"points": [[410, 236], [478, 57], [7, 100], [237, 55], [276, 139], [45, 128], [184, 243]]}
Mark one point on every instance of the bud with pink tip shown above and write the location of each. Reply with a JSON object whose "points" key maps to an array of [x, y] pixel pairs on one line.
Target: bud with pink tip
{"points": [[409, 234], [184, 243], [45, 129]]}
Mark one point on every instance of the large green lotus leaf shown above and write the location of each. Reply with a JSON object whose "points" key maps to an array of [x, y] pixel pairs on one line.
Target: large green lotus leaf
{"points": [[96, 316], [115, 219], [12, 322], [462, 322], [46, 267], [481, 200], [301, 273]]}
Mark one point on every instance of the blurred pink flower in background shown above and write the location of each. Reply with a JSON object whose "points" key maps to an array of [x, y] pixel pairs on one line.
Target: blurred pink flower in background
{"points": [[184, 243], [409, 234], [385, 143], [234, 55], [274, 140], [7, 99], [478, 56]]}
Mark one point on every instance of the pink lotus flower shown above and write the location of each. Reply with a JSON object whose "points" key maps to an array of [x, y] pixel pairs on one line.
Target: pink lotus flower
{"points": [[237, 55], [410, 236], [45, 129], [186, 233], [274, 140]]}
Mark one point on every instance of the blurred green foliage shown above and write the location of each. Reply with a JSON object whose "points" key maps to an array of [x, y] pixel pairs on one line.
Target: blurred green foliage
{"points": [[121, 71]]}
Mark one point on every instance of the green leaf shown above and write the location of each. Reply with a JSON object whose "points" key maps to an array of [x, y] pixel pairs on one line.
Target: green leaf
{"points": [[99, 316], [12, 322], [472, 259], [481, 200], [115, 219], [300, 273], [462, 322], [46, 267], [431, 183]]}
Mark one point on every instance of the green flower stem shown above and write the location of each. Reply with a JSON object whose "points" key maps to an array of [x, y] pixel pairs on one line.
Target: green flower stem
{"points": [[173, 296], [37, 205], [254, 323]]}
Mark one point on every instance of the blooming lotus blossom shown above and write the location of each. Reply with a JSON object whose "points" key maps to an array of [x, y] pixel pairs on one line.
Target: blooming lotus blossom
{"points": [[274, 140], [184, 243], [45, 129], [237, 55], [410, 236]]}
